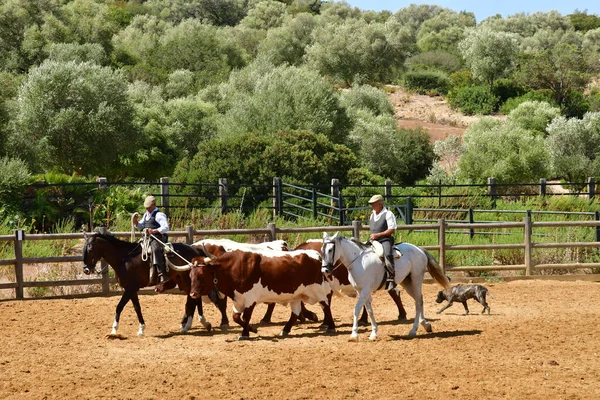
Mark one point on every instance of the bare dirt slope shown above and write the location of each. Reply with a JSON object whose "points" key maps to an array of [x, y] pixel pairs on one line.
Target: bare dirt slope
{"points": [[540, 342], [432, 113]]}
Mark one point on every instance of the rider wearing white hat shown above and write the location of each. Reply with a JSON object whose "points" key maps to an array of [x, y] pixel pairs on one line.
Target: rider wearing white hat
{"points": [[382, 225], [156, 225]]}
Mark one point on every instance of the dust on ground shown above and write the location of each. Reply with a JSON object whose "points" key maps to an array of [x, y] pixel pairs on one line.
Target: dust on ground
{"points": [[540, 342]]}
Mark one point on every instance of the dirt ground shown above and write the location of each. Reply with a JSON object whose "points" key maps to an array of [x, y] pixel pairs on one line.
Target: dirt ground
{"points": [[540, 342]]}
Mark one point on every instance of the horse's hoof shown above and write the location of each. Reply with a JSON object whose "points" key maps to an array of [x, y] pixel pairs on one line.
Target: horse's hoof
{"points": [[284, 333], [331, 330], [401, 317], [224, 327], [428, 328], [323, 327], [373, 338], [412, 333], [252, 329], [184, 330], [208, 327], [353, 339], [243, 338], [264, 322]]}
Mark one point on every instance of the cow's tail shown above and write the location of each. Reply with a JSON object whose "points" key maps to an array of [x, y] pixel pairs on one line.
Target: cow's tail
{"points": [[436, 272]]}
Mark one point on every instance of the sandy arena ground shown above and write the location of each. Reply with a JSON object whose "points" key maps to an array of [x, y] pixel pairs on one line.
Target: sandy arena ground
{"points": [[540, 342]]}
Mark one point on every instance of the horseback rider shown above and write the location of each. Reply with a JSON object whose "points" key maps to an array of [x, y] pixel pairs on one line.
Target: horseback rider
{"points": [[155, 223], [382, 225]]}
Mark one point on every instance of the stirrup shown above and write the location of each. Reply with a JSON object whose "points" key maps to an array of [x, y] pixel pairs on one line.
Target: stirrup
{"points": [[390, 284]]}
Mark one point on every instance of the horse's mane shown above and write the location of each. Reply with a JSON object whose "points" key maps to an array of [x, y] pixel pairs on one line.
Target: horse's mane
{"points": [[361, 245]]}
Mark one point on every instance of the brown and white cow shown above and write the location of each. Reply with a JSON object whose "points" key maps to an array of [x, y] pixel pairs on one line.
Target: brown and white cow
{"points": [[249, 278]]}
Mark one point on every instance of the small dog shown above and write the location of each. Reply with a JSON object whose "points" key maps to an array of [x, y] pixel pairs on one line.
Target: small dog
{"points": [[462, 293]]}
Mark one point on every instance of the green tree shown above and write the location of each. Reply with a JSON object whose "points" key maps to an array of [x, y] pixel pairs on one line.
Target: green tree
{"points": [[355, 51], [534, 116], [288, 43], [265, 15], [299, 156], [444, 30], [582, 21], [489, 54], [506, 151], [213, 12], [88, 52], [404, 156], [283, 98], [561, 69], [73, 118], [574, 146]]}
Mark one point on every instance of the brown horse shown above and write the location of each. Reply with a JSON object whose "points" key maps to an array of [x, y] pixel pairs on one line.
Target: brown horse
{"points": [[133, 273]]}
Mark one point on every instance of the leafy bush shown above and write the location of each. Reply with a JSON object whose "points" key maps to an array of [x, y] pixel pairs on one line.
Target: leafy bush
{"points": [[473, 100], [436, 60], [13, 180], [368, 98], [534, 95], [575, 105], [426, 81], [506, 89]]}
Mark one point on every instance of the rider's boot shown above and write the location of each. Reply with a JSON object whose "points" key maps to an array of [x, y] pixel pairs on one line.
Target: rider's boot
{"points": [[391, 273], [162, 273]]}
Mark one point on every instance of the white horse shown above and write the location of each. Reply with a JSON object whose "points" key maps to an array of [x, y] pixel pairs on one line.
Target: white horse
{"points": [[366, 274]]}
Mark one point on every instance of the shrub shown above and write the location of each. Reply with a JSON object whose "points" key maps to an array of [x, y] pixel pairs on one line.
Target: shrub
{"points": [[506, 89], [13, 180], [473, 100], [575, 105], [426, 81], [535, 95], [436, 60]]}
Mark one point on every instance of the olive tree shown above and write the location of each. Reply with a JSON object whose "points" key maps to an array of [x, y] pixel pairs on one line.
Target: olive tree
{"points": [[73, 117], [574, 146], [488, 53]]}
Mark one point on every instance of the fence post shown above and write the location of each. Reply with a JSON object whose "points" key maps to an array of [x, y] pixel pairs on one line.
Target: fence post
{"points": [[277, 201], [597, 228], [103, 266], [164, 195], [101, 182], [388, 190], [492, 190], [341, 204], [189, 234], [335, 192], [19, 237], [542, 186], [527, 238], [314, 201], [471, 221], [356, 229], [272, 231], [591, 188], [409, 210], [442, 244], [223, 194]]}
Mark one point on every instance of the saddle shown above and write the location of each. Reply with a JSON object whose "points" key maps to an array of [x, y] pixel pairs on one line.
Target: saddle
{"points": [[378, 250]]}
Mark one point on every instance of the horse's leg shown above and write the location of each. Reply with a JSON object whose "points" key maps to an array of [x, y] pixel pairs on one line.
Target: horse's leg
{"points": [[369, 308], [359, 305], [266, 319], [296, 310], [395, 295], [203, 321], [417, 284], [124, 300], [364, 320], [138, 310]]}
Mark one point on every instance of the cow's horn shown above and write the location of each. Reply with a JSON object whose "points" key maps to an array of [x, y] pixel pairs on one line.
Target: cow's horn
{"points": [[208, 253]]}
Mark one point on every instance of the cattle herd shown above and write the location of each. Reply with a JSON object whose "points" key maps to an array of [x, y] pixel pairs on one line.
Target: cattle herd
{"points": [[248, 274]]}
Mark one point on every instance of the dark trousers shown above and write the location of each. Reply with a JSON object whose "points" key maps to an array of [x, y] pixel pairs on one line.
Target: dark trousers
{"points": [[157, 253], [388, 250]]}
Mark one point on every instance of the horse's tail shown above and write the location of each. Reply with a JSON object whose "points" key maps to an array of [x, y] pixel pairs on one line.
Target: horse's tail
{"points": [[436, 271]]}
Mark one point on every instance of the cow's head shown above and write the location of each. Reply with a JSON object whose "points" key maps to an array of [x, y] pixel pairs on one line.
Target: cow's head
{"points": [[203, 276]]}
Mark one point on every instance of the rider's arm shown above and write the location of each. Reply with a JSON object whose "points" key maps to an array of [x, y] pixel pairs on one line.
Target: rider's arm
{"points": [[161, 218]]}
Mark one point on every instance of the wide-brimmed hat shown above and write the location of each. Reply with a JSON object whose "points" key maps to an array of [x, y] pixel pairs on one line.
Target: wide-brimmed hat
{"points": [[149, 201], [376, 198]]}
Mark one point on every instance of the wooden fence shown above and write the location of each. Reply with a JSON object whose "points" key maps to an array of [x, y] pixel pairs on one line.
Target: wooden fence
{"points": [[272, 231]]}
